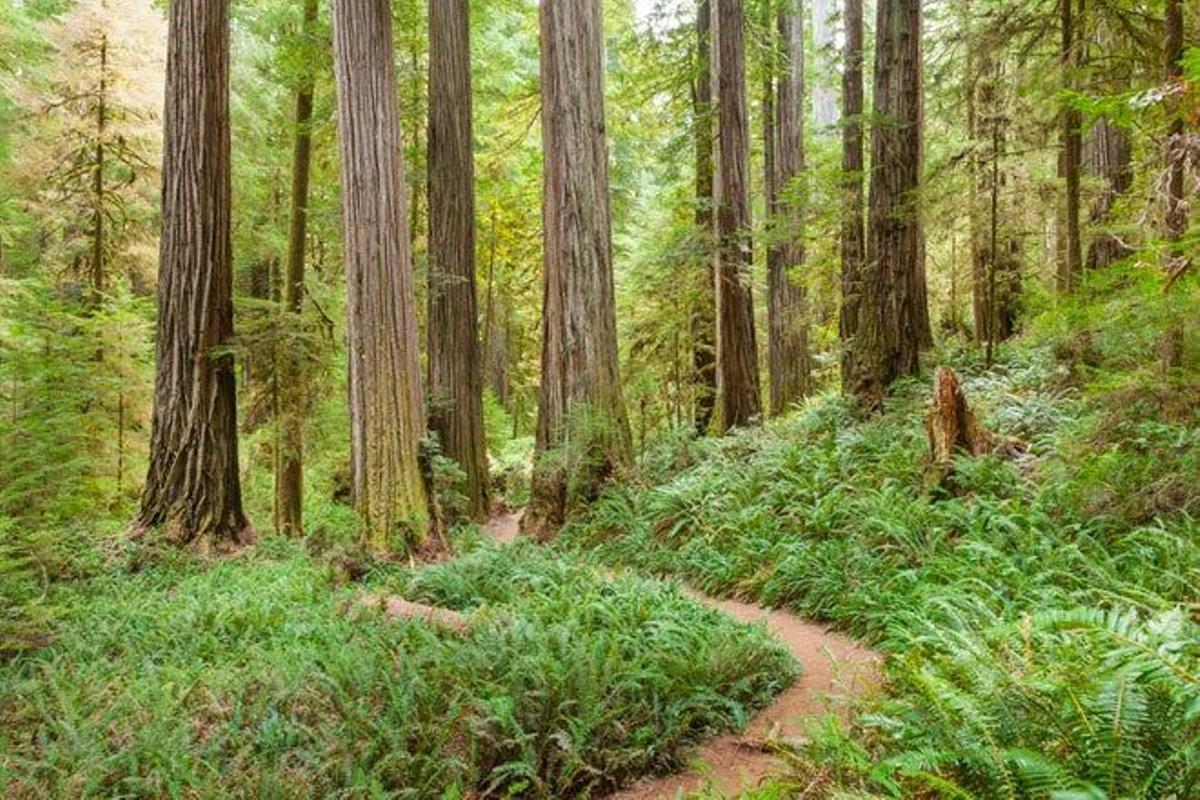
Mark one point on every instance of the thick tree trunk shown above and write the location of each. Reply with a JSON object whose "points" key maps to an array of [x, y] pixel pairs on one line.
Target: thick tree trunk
{"points": [[582, 434], [853, 235], [738, 393], [893, 324], [387, 420], [787, 323], [192, 487], [1071, 251], [289, 464], [455, 371], [704, 315], [1107, 155]]}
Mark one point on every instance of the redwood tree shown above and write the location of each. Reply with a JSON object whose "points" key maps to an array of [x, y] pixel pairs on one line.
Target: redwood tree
{"points": [[386, 410], [289, 470], [455, 370], [739, 399], [853, 234], [787, 345], [1070, 156], [703, 322], [192, 487], [582, 431], [894, 319]]}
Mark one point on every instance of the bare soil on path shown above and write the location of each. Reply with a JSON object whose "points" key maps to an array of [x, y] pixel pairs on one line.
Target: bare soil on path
{"points": [[834, 668]]}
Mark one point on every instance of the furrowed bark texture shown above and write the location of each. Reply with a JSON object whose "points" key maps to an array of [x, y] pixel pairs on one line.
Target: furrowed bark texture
{"points": [[704, 316], [289, 475], [739, 397], [386, 414], [582, 434], [787, 347], [192, 487], [853, 234], [894, 321], [455, 369]]}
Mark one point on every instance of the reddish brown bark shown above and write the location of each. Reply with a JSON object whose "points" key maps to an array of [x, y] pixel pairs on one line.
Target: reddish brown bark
{"points": [[192, 487], [853, 234], [739, 398], [387, 420], [582, 433], [455, 371], [704, 322]]}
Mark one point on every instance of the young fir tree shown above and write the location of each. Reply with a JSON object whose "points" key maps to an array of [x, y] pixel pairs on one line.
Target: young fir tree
{"points": [[738, 395], [192, 487], [455, 370], [582, 431], [387, 419]]}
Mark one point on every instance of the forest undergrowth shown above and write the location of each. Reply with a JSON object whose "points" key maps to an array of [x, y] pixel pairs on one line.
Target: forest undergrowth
{"points": [[1040, 615]]}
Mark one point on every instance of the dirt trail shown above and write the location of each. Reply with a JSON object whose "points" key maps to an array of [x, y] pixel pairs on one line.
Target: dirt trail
{"points": [[834, 667]]}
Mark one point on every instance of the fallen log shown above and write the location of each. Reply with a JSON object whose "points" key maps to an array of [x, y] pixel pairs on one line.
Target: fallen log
{"points": [[394, 607]]}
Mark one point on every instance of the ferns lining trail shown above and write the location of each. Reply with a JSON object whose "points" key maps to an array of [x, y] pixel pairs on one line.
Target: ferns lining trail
{"points": [[472, 399]]}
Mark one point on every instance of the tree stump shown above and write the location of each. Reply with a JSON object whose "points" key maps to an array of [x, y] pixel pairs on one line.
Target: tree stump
{"points": [[952, 425]]}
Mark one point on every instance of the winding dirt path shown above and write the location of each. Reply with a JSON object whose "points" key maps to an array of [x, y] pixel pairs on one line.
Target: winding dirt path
{"points": [[834, 668]]}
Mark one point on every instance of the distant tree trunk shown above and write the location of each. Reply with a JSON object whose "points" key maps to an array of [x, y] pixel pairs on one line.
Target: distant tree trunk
{"points": [[582, 434], [1070, 253], [289, 475], [99, 283], [1108, 155], [455, 370], [387, 420], [893, 324], [853, 235], [192, 486], [495, 328], [1177, 208], [787, 323], [704, 321], [825, 110], [738, 391]]}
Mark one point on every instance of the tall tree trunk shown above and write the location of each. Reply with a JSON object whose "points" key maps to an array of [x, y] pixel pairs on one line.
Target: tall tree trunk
{"points": [[1177, 208], [192, 486], [824, 101], [704, 315], [1108, 155], [787, 323], [738, 393], [582, 433], [1071, 252], [455, 370], [853, 235], [387, 420], [98, 274], [289, 475], [893, 324]]}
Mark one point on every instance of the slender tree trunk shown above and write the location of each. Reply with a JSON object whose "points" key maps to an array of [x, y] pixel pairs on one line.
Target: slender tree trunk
{"points": [[787, 322], [582, 434], [893, 324], [1071, 253], [1177, 207], [853, 235], [824, 101], [98, 273], [1108, 155], [289, 477], [192, 486], [455, 371], [387, 420], [738, 393], [704, 321]]}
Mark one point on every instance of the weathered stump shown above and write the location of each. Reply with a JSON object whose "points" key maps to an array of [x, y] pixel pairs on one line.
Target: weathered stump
{"points": [[952, 426]]}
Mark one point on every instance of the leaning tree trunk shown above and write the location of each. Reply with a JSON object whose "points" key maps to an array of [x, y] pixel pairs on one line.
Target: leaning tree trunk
{"points": [[455, 369], [893, 324], [1108, 155], [704, 321], [289, 475], [787, 349], [738, 393], [853, 235], [582, 433], [386, 416], [192, 487]]}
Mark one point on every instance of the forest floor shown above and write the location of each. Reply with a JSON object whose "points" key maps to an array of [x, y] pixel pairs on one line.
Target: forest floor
{"points": [[833, 667]]}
